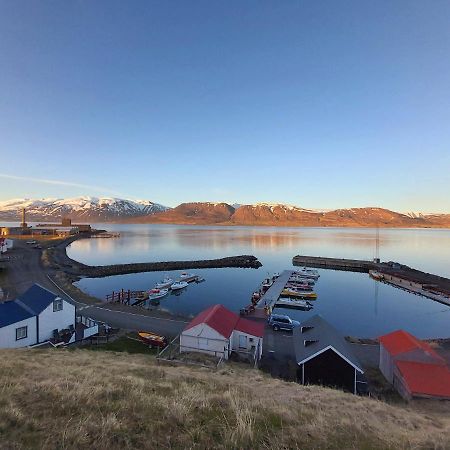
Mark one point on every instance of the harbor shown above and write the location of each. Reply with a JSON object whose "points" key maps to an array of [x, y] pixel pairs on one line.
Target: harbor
{"points": [[428, 285], [290, 289]]}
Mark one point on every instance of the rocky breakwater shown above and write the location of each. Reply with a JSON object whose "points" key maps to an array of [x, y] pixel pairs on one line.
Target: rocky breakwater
{"points": [[56, 259]]}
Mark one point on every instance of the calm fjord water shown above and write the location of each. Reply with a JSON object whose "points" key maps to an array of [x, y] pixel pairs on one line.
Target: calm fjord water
{"points": [[353, 302]]}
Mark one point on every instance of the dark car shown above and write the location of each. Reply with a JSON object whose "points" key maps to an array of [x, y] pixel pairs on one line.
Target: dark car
{"points": [[282, 322]]}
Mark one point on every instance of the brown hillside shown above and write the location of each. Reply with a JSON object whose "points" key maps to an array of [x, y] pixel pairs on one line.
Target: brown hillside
{"points": [[192, 214], [81, 399]]}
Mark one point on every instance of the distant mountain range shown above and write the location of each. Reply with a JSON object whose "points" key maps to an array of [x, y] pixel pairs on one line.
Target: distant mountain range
{"points": [[93, 209], [286, 215], [87, 209]]}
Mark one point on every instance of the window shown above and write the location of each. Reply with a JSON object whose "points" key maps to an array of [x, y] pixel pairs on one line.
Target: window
{"points": [[57, 304], [21, 333]]}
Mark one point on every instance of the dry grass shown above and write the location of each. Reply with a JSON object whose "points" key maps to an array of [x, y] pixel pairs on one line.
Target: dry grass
{"points": [[83, 399]]}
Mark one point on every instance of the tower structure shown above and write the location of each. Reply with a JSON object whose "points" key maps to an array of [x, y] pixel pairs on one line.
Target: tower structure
{"points": [[24, 223]]}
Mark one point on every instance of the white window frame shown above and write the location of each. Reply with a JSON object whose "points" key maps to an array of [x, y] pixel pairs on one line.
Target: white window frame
{"points": [[18, 330], [58, 301]]}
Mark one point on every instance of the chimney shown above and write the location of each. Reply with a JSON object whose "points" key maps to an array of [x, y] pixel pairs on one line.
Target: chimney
{"points": [[23, 224]]}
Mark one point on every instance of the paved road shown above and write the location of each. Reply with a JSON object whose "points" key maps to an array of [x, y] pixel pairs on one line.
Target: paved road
{"points": [[25, 269]]}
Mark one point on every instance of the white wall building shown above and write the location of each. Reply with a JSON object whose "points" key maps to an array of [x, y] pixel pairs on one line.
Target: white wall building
{"points": [[5, 245], [219, 332], [34, 317]]}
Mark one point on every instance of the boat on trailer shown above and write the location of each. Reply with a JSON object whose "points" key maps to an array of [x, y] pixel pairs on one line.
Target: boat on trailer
{"points": [[152, 339]]}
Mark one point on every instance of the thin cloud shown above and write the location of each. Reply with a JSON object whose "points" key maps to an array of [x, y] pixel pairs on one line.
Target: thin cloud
{"points": [[58, 183]]}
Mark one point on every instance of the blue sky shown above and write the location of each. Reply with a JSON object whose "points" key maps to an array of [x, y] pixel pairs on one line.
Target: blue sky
{"points": [[321, 104]]}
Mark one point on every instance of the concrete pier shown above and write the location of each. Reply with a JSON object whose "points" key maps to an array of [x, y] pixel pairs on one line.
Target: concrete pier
{"points": [[352, 265], [273, 293]]}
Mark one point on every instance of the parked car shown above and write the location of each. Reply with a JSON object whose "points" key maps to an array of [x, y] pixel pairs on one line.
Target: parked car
{"points": [[282, 322]]}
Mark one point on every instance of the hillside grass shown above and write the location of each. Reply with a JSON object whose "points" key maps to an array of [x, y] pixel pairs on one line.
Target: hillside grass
{"points": [[59, 399]]}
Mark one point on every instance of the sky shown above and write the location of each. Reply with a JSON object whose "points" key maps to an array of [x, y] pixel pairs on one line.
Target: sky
{"points": [[321, 104]]}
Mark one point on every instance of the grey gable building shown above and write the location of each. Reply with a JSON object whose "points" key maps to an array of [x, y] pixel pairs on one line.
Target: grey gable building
{"points": [[324, 356]]}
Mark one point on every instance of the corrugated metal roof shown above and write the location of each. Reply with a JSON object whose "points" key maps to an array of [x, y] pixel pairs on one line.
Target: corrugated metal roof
{"points": [[319, 336], [425, 378], [250, 327], [11, 312], [36, 299], [218, 318], [224, 322], [29, 304], [401, 341]]}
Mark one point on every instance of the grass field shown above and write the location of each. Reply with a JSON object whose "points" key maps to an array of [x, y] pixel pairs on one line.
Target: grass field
{"points": [[56, 399]]}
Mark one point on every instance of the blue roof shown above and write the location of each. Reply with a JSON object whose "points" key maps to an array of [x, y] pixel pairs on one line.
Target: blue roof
{"points": [[11, 312], [36, 299]]}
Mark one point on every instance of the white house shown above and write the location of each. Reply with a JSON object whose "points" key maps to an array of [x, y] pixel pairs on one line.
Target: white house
{"points": [[34, 317], [218, 332], [5, 245]]}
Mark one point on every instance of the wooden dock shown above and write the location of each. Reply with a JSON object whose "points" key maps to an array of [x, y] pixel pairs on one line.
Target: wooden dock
{"points": [[127, 297]]}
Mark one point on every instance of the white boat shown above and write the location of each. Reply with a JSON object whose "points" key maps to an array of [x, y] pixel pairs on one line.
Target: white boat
{"points": [[185, 276], [298, 304], [165, 283], [179, 285], [302, 279], [313, 273], [153, 294]]}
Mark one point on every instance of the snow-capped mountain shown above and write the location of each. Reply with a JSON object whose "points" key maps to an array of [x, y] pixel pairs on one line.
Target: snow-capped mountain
{"points": [[94, 209]]}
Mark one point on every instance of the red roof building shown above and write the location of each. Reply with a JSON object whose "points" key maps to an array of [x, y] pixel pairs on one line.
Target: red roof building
{"points": [[218, 331], [416, 379], [413, 367]]}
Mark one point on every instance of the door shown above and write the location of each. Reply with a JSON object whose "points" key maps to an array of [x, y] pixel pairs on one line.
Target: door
{"points": [[242, 341]]}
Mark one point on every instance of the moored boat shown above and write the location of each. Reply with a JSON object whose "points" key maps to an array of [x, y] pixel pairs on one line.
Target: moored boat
{"points": [[376, 275], [300, 286], [165, 283], [179, 285], [290, 292], [303, 279], [153, 294], [185, 276], [297, 304]]}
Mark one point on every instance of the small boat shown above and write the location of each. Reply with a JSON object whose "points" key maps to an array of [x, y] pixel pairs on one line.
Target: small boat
{"points": [[300, 286], [152, 339], [376, 275], [303, 279], [289, 292], [142, 296], [153, 294], [179, 285], [165, 283], [185, 276], [312, 273], [304, 305], [266, 284]]}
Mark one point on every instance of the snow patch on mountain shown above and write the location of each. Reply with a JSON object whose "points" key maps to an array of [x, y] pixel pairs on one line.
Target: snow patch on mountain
{"points": [[86, 208]]}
